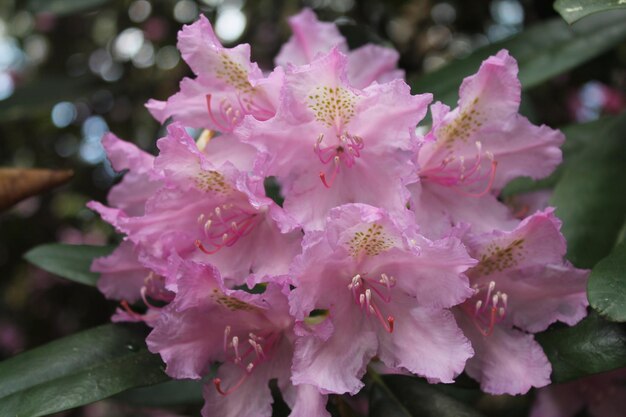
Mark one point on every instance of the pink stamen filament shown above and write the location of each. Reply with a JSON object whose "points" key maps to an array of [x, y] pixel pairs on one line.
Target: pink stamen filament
{"points": [[459, 175], [490, 310], [227, 117], [256, 344], [363, 291], [346, 153], [224, 227], [335, 171]]}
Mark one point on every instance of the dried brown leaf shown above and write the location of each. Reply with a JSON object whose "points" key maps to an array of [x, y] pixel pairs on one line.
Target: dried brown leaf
{"points": [[17, 184]]}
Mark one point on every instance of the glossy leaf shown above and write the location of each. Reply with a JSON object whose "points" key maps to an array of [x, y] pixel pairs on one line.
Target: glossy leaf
{"points": [[573, 10], [592, 346], [77, 370], [405, 396], [607, 285], [542, 51], [590, 198], [167, 394], [64, 7], [68, 261]]}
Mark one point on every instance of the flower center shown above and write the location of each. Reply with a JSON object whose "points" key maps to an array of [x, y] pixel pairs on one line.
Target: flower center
{"points": [[345, 152], [489, 308], [367, 293], [247, 355], [224, 226], [466, 178]]}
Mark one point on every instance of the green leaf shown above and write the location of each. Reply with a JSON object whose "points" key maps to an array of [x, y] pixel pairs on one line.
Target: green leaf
{"points": [[573, 10], [68, 261], [592, 346], [405, 396], [542, 52], [590, 197], [77, 370], [167, 394], [607, 285], [64, 7], [39, 95]]}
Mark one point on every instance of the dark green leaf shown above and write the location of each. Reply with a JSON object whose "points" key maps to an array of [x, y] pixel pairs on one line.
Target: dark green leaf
{"points": [[167, 394], [77, 370], [64, 7], [592, 346], [404, 396], [590, 197], [542, 51], [607, 285], [578, 137], [68, 261], [573, 10], [38, 96]]}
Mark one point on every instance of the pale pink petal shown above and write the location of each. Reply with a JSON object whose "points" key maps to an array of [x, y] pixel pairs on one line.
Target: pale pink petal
{"points": [[192, 98], [252, 399], [536, 241], [121, 273], [371, 63], [439, 209], [203, 52], [139, 182], [507, 361], [544, 295], [424, 341], [337, 364], [310, 38], [308, 402]]}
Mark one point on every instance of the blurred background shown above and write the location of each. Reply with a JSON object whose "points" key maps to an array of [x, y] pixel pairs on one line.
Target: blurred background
{"points": [[71, 71]]}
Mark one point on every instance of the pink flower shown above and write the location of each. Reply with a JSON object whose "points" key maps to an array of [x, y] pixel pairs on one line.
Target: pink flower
{"points": [[211, 207], [474, 150], [603, 395], [122, 275], [522, 285], [332, 144], [385, 294], [226, 88], [249, 334], [312, 39]]}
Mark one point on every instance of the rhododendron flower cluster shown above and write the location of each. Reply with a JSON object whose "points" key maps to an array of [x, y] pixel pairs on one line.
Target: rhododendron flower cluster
{"points": [[386, 245]]}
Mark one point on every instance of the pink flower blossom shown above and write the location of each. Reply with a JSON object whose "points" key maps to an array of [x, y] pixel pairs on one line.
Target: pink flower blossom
{"points": [[312, 39], [211, 207], [385, 293], [251, 335], [474, 150], [331, 144], [226, 88], [522, 285]]}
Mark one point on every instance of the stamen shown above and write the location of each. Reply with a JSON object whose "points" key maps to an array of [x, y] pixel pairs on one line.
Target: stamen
{"points": [[227, 124], [142, 292], [328, 184], [218, 384], [130, 311], [490, 310], [226, 336], [200, 246]]}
